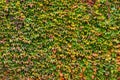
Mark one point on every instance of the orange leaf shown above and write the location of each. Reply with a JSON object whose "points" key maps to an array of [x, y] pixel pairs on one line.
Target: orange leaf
{"points": [[94, 54], [61, 76], [54, 50]]}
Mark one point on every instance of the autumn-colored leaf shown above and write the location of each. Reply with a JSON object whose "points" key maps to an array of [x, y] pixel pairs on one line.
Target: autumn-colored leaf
{"points": [[95, 55], [61, 76], [2, 41], [51, 36], [7, 1], [91, 2], [54, 50], [31, 5]]}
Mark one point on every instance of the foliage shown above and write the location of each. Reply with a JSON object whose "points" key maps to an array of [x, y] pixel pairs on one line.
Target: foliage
{"points": [[59, 39]]}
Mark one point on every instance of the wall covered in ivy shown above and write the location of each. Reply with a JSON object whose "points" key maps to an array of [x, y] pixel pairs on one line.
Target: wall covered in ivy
{"points": [[59, 39]]}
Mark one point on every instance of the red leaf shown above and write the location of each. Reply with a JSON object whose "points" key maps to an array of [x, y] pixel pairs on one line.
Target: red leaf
{"points": [[91, 2]]}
